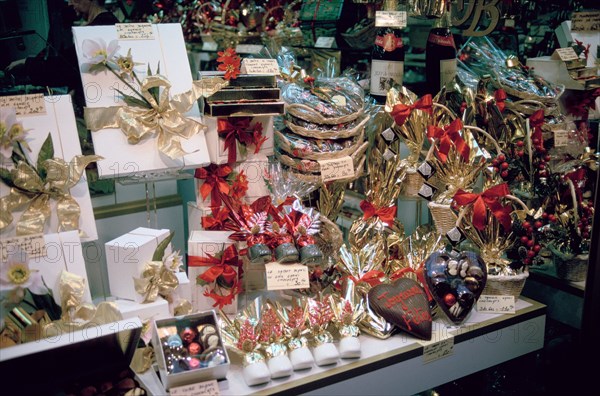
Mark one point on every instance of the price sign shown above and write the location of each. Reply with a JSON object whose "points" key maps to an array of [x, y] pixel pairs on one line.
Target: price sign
{"points": [[248, 48], [25, 104], [561, 138], [260, 66], [325, 42], [335, 169], [585, 21], [496, 304], [33, 245], [207, 388], [286, 276], [567, 54], [438, 350], [396, 19], [134, 31]]}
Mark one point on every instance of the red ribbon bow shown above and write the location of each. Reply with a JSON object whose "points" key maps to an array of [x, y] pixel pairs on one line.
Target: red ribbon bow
{"points": [[218, 267], [372, 278], [216, 222], [536, 120], [490, 199], [448, 137], [215, 183], [234, 130], [386, 215], [223, 300], [401, 112], [500, 97]]}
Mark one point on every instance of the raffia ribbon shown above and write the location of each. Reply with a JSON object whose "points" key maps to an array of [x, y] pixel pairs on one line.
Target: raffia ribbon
{"points": [[157, 280], [32, 191], [165, 118]]}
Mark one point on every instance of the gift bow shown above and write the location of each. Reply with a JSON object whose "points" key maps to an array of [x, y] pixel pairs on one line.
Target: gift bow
{"points": [[386, 214], [215, 182], [490, 199], [372, 277], [449, 136], [233, 132], [157, 280], [222, 300], [500, 97], [218, 266], [401, 112], [31, 190], [165, 117], [217, 220]]}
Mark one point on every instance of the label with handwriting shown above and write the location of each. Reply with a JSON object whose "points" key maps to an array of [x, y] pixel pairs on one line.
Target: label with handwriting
{"points": [[561, 138], [260, 66], [335, 169], [248, 48], [325, 42], [438, 350], [585, 21], [286, 276], [567, 54], [395, 19], [488, 303], [207, 388], [32, 104], [134, 31], [34, 245]]}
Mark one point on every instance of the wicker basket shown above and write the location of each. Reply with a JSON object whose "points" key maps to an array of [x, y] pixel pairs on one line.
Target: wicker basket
{"points": [[282, 36], [329, 134], [362, 38], [230, 36], [505, 285], [574, 270], [412, 183], [443, 217], [284, 144]]}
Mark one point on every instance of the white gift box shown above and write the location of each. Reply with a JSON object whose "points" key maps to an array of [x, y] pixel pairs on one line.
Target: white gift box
{"points": [[184, 289], [216, 148], [165, 47], [126, 257], [202, 244], [63, 253], [156, 310], [255, 168], [57, 119], [195, 215]]}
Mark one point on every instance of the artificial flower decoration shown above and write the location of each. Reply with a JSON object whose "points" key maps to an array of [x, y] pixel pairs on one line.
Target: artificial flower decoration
{"points": [[99, 55], [230, 63], [174, 262], [16, 274], [11, 133]]}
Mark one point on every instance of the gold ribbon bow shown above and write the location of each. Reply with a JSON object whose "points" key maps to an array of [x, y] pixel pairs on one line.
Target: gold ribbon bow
{"points": [[157, 280], [28, 188], [165, 116]]}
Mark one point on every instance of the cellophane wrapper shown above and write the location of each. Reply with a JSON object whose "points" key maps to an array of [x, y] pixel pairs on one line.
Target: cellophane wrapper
{"points": [[295, 322]]}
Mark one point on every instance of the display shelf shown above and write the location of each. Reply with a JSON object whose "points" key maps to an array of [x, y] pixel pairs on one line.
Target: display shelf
{"points": [[396, 365]]}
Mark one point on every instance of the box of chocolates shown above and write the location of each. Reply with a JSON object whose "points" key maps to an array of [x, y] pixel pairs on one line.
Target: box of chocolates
{"points": [[90, 361], [189, 349]]}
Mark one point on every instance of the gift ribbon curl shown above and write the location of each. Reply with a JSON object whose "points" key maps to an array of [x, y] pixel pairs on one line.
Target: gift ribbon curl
{"points": [[487, 199], [401, 112], [449, 136], [386, 214]]}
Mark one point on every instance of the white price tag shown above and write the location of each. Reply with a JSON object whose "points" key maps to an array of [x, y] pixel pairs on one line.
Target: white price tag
{"points": [[335, 169], [496, 304], [586, 21], [207, 388], [248, 48], [438, 350], [567, 54], [396, 19], [325, 42], [260, 66], [339, 100], [33, 245], [286, 276], [561, 138], [134, 31], [25, 104]]}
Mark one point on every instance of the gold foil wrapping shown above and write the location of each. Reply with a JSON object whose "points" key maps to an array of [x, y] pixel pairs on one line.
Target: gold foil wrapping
{"points": [[157, 280]]}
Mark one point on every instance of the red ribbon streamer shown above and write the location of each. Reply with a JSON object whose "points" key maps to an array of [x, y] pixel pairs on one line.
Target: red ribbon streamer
{"points": [[233, 130], [223, 300], [500, 97], [448, 137], [216, 222], [490, 199], [401, 112], [218, 267], [214, 183], [386, 215], [372, 278], [536, 120]]}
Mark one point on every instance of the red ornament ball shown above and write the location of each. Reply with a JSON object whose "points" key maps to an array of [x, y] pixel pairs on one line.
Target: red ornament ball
{"points": [[449, 299]]}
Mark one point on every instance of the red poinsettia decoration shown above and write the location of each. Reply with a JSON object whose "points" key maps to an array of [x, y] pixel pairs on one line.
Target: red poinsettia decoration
{"points": [[230, 63], [239, 187]]}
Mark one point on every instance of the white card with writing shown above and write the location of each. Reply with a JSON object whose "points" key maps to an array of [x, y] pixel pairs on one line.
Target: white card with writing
{"points": [[567, 54], [134, 31], [586, 21], [286, 276], [488, 303], [25, 104], [325, 42], [206, 388], [33, 245], [335, 169], [561, 138], [396, 19], [260, 66], [248, 48], [438, 350]]}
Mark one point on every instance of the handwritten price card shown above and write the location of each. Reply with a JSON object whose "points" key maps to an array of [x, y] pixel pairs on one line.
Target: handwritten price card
{"points": [[208, 388], [561, 138], [286, 276], [586, 21], [33, 245], [260, 66], [335, 169], [135, 31], [438, 350], [25, 104], [496, 304]]}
